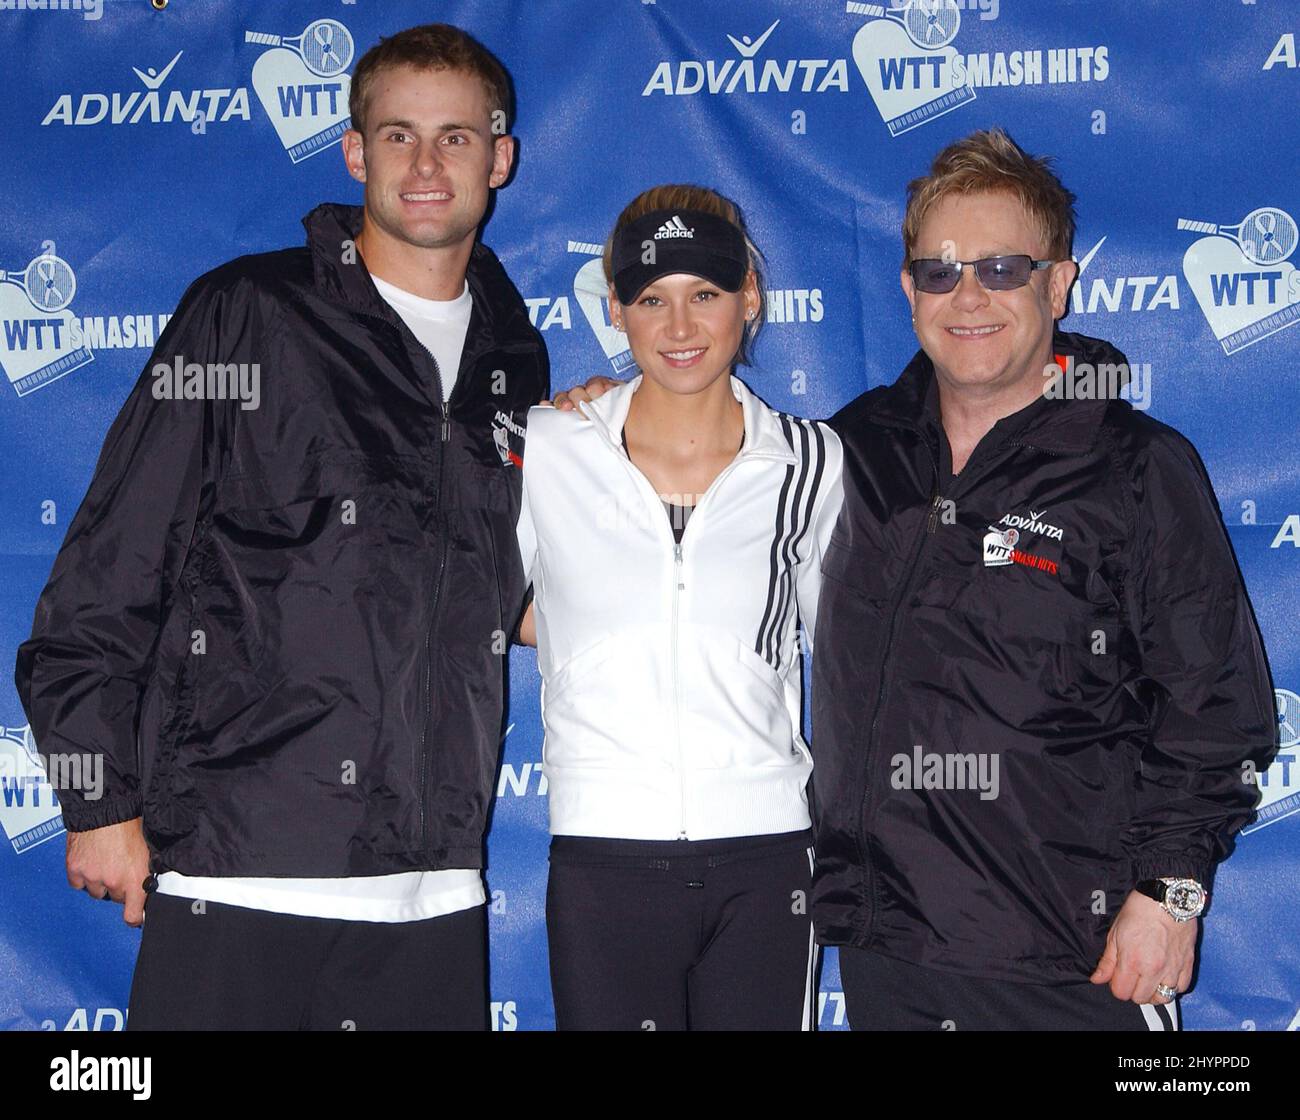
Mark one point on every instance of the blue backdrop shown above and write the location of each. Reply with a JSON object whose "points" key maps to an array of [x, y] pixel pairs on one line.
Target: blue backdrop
{"points": [[144, 147]]}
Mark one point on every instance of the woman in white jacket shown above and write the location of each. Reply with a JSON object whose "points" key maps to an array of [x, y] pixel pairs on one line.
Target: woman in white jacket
{"points": [[673, 529]]}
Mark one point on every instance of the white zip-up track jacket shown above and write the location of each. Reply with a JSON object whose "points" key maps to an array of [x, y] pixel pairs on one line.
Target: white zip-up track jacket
{"points": [[671, 673]]}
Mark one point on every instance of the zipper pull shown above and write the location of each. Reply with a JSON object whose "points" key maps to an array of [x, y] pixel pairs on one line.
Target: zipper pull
{"points": [[677, 559], [446, 426], [935, 503]]}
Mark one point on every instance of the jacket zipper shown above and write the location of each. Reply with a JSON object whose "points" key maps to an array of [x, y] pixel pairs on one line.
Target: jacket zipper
{"points": [[931, 523], [679, 585], [677, 696], [444, 436], [445, 405], [868, 871]]}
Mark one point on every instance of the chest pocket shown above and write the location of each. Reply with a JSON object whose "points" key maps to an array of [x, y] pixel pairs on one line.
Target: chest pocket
{"points": [[1032, 622], [347, 489]]}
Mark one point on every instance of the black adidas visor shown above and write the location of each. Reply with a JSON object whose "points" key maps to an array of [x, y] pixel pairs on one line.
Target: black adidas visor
{"points": [[689, 241]]}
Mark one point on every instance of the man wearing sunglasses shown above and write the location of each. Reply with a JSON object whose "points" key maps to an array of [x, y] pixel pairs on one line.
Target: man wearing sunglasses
{"points": [[1039, 695]]}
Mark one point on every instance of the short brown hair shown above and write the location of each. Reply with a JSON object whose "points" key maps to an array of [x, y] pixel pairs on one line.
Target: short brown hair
{"points": [[432, 46], [686, 196], [992, 161]]}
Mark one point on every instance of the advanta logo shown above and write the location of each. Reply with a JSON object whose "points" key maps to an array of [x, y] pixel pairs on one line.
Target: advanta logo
{"points": [[153, 105], [748, 74], [302, 84], [1242, 276], [1122, 293]]}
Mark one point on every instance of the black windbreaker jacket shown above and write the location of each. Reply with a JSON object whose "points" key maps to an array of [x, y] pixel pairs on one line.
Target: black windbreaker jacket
{"points": [[284, 627], [1069, 611]]}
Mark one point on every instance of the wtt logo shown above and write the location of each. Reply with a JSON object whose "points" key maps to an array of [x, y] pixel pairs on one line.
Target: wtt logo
{"points": [[914, 74], [591, 290], [905, 57], [1242, 277], [302, 84], [1279, 785], [40, 338], [29, 809]]}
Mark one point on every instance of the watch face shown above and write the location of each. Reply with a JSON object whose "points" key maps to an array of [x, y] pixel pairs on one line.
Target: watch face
{"points": [[1185, 898]]}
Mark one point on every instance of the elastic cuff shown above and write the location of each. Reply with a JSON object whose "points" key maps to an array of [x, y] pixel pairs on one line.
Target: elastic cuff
{"points": [[88, 815], [1171, 866]]}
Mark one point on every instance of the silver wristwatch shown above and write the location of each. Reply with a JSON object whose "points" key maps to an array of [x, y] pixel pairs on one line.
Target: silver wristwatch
{"points": [[1183, 899]]}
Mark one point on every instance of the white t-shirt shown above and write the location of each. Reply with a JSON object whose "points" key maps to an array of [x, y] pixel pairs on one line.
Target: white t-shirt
{"points": [[404, 896], [439, 324]]}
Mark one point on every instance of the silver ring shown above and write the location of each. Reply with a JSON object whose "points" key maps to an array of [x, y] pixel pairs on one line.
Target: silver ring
{"points": [[1166, 991]]}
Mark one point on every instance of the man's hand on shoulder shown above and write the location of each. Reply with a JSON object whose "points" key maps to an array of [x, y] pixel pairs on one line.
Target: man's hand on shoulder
{"points": [[111, 862], [1145, 947], [569, 399]]}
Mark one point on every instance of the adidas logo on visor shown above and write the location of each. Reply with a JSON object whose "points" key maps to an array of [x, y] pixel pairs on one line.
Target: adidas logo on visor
{"points": [[673, 227]]}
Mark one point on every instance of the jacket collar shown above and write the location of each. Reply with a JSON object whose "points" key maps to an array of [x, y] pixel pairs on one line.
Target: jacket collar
{"points": [[764, 437], [1066, 426], [499, 317]]}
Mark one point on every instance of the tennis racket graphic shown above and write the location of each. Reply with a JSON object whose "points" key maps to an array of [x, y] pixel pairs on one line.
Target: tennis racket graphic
{"points": [[48, 281], [928, 23], [1265, 236], [325, 46]]}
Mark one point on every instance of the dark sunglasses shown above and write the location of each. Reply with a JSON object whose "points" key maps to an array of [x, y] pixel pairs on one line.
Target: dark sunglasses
{"points": [[998, 274]]}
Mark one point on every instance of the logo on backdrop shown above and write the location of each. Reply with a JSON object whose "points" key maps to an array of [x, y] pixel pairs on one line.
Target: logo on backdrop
{"points": [[1092, 294], [40, 338], [1242, 275], [29, 809], [152, 105], [1279, 785], [748, 73], [591, 290], [914, 73], [302, 82]]}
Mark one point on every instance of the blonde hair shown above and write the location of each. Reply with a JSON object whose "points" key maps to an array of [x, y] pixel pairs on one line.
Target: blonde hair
{"points": [[686, 196], [992, 161]]}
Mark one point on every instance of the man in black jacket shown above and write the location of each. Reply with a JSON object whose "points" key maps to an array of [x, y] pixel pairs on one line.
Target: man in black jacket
{"points": [[279, 617], [1039, 695]]}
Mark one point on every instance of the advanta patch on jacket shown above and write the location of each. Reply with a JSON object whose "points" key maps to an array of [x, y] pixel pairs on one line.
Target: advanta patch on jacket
{"points": [[1032, 688], [282, 627]]}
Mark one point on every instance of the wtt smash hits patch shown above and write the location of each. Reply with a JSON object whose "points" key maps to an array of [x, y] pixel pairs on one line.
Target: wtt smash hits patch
{"points": [[1024, 538], [509, 438]]}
